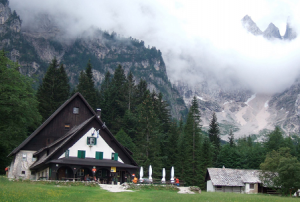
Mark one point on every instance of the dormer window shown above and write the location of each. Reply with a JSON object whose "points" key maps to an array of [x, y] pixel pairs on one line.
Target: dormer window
{"points": [[75, 110], [91, 141]]}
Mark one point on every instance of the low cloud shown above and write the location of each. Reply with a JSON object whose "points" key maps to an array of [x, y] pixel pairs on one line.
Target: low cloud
{"points": [[200, 40]]}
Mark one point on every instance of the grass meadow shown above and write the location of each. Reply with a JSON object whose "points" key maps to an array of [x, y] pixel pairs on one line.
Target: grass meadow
{"points": [[41, 191]]}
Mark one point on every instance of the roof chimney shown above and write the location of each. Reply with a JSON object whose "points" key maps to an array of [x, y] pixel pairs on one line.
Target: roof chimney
{"points": [[99, 113]]}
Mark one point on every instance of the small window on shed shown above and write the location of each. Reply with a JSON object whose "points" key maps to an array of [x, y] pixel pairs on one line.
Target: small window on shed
{"points": [[67, 126], [251, 186], [24, 157], [23, 172], [75, 110]]}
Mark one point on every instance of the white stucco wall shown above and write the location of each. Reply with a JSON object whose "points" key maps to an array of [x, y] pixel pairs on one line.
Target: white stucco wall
{"points": [[90, 151], [210, 187], [251, 191], [19, 164]]}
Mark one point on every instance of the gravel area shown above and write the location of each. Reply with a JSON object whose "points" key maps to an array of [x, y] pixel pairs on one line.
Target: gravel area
{"points": [[185, 190], [114, 188], [120, 188]]}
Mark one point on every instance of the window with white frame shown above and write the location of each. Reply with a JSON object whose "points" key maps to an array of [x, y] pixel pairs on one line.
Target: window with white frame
{"points": [[24, 157]]}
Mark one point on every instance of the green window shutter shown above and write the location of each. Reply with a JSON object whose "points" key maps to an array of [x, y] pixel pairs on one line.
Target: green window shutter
{"points": [[81, 154], [95, 142], [67, 153], [88, 140], [99, 155], [116, 157]]}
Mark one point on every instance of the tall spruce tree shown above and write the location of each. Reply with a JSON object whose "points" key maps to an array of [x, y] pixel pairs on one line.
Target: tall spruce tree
{"points": [[130, 90], [206, 160], [105, 98], [231, 138], [54, 89], [86, 86], [118, 96], [214, 135], [148, 136], [181, 149], [192, 146]]}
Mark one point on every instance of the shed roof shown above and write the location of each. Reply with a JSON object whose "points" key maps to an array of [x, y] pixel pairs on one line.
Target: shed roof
{"points": [[232, 177]]}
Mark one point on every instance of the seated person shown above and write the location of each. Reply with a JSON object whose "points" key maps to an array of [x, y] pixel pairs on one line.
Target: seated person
{"points": [[88, 177]]}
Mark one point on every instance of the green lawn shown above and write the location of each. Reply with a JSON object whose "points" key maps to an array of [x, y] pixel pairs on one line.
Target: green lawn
{"points": [[28, 191]]}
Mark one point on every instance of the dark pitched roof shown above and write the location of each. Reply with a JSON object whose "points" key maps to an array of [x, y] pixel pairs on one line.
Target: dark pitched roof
{"points": [[60, 142], [91, 162], [63, 140], [48, 120], [233, 177]]}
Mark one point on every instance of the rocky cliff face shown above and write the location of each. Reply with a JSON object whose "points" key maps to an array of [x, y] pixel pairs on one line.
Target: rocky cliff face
{"points": [[250, 26], [290, 34], [35, 45], [242, 110], [272, 32]]}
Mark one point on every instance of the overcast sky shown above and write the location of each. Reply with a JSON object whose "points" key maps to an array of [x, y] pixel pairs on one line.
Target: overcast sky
{"points": [[198, 38]]}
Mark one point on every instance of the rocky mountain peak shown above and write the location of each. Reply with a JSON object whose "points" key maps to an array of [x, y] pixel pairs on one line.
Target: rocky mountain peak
{"points": [[272, 32], [289, 32], [250, 26]]}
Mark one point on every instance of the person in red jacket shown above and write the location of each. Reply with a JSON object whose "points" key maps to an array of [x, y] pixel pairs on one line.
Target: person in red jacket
{"points": [[177, 181]]}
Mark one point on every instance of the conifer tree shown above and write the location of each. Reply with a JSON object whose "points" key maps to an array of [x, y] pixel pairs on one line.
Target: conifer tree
{"points": [[192, 143], [181, 155], [105, 98], [54, 89], [148, 136], [86, 86], [171, 147], [206, 160], [131, 90], [231, 138], [214, 136], [116, 102]]}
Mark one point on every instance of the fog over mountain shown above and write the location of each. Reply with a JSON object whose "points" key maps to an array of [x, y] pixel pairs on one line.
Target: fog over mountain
{"points": [[198, 39]]}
